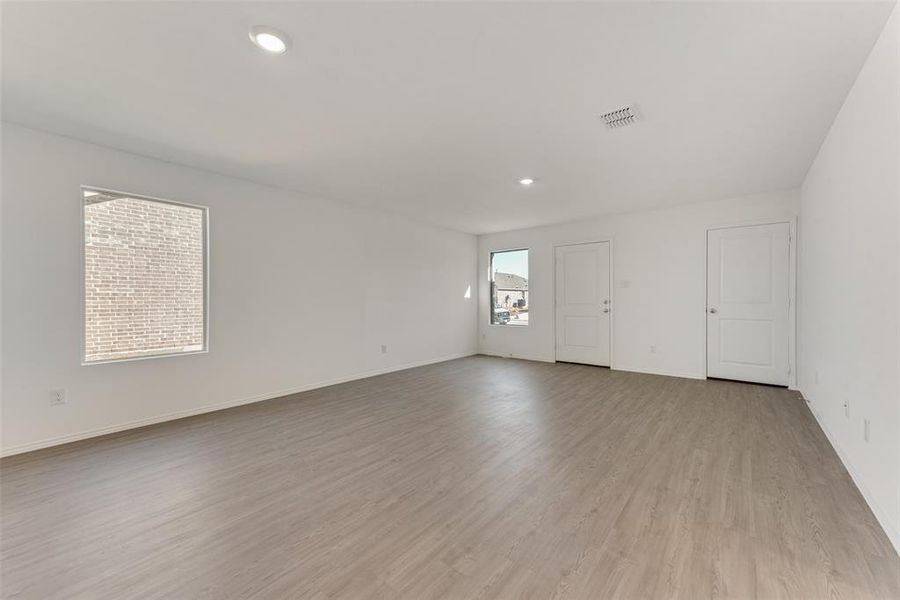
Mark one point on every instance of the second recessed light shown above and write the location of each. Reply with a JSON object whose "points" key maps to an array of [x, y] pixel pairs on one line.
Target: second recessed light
{"points": [[526, 181], [270, 40]]}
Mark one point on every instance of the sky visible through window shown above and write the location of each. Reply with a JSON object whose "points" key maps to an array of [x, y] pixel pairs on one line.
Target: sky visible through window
{"points": [[515, 262]]}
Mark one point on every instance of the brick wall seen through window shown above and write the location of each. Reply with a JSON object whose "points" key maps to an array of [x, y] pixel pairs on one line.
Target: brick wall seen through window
{"points": [[144, 277]]}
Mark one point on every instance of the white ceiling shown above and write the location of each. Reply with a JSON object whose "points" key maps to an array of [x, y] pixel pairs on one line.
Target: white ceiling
{"points": [[434, 110]]}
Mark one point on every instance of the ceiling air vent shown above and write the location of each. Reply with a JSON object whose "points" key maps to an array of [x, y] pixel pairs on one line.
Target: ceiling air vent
{"points": [[619, 117]]}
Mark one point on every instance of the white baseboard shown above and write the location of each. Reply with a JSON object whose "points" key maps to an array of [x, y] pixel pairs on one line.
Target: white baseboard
{"points": [[683, 375], [535, 357], [83, 435], [889, 530]]}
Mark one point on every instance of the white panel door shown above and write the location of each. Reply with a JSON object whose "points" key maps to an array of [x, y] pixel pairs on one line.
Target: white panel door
{"points": [[583, 304], [748, 278]]}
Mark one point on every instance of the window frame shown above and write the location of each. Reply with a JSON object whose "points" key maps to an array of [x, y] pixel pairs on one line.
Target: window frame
{"points": [[491, 254], [82, 300]]}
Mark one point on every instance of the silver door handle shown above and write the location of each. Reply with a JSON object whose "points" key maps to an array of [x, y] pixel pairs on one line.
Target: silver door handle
{"points": [[712, 311]]}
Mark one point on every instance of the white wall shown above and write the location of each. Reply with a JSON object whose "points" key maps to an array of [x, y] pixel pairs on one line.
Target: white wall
{"points": [[661, 254], [281, 319], [850, 283]]}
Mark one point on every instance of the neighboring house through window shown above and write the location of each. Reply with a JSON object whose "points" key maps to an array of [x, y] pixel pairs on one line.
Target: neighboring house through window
{"points": [[509, 287]]}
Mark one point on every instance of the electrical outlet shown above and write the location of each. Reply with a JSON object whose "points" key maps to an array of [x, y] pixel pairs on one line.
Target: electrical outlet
{"points": [[846, 408], [652, 349], [57, 397], [384, 348], [866, 430]]}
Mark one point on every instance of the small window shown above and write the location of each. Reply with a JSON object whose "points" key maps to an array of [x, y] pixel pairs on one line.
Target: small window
{"points": [[509, 288], [144, 277]]}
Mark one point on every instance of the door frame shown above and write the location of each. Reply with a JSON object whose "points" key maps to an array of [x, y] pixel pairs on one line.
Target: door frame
{"points": [[612, 294], [792, 290]]}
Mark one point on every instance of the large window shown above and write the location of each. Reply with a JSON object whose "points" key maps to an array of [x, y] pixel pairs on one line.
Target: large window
{"points": [[144, 277], [509, 287]]}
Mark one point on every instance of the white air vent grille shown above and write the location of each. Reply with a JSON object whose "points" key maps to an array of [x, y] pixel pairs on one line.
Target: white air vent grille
{"points": [[619, 117]]}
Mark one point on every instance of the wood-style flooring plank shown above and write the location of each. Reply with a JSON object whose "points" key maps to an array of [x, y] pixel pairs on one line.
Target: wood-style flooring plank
{"points": [[478, 478]]}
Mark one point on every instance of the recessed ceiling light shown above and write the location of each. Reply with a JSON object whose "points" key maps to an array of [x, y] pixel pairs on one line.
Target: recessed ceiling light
{"points": [[269, 39], [526, 181]]}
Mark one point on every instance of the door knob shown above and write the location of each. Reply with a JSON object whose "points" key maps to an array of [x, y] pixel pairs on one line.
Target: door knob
{"points": [[712, 311], [606, 302]]}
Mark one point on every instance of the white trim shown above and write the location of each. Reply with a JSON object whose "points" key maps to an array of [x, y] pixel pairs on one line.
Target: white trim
{"points": [[74, 437], [108, 361], [880, 515], [679, 374], [612, 295], [752, 222], [624, 369], [792, 291], [513, 356], [206, 258]]}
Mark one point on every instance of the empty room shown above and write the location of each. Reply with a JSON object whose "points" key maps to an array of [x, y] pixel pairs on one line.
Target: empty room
{"points": [[450, 300]]}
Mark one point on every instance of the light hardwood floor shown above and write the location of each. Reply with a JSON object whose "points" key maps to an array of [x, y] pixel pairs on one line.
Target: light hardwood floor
{"points": [[476, 478]]}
